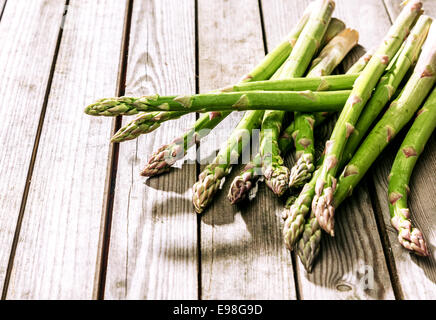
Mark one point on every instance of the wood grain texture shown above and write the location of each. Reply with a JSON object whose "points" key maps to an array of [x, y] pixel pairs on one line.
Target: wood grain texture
{"points": [[153, 244], [28, 33], [416, 276], [356, 251], [58, 248], [241, 248]]}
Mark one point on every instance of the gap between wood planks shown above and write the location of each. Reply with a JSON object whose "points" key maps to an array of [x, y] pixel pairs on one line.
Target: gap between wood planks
{"points": [[197, 145], [292, 253], [2, 9], [104, 242], [34, 153]]}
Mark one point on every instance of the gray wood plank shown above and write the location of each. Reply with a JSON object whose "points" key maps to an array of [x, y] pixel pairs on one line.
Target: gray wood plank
{"points": [[28, 33], [58, 248], [416, 276], [241, 250], [356, 248], [153, 241]]}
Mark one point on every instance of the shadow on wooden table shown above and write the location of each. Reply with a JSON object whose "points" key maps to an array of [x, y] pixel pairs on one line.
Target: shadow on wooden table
{"points": [[161, 182]]}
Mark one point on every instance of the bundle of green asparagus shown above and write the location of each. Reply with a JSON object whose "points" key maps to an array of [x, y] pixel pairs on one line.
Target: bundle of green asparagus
{"points": [[292, 88]]}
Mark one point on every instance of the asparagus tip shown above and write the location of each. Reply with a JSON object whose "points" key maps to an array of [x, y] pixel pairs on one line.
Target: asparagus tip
{"points": [[239, 190], [277, 179], [159, 162], [301, 171], [409, 237], [324, 211]]}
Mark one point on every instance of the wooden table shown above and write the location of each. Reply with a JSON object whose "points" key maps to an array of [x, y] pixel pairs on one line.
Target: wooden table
{"points": [[78, 222]]}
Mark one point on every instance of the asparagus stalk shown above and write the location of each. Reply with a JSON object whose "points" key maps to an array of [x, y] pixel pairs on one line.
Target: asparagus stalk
{"points": [[329, 58], [320, 83], [210, 179], [410, 237], [308, 101], [275, 173], [158, 159], [147, 122], [361, 63], [388, 84], [326, 183], [244, 184], [310, 39], [308, 245], [294, 215]]}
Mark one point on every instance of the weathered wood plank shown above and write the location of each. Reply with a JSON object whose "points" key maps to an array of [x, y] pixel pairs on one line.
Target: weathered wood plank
{"points": [[58, 247], [356, 249], [241, 250], [28, 33], [416, 276], [153, 244]]}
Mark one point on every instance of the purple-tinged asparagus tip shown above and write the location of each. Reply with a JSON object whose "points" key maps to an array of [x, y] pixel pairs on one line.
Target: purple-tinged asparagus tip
{"points": [[325, 211], [239, 190], [409, 237], [277, 179]]}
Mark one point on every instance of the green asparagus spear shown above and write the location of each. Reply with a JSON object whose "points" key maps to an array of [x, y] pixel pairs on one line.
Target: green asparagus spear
{"points": [[410, 237], [320, 83], [361, 63], [147, 122], [326, 183], [329, 58], [275, 173], [308, 101]]}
